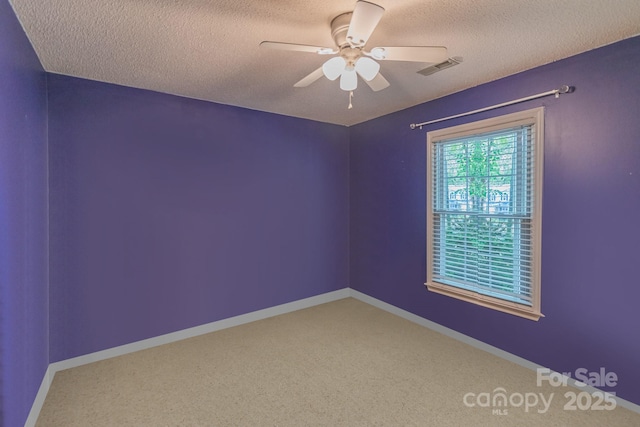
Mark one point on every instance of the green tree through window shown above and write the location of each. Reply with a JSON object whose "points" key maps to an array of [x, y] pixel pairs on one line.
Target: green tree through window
{"points": [[479, 170]]}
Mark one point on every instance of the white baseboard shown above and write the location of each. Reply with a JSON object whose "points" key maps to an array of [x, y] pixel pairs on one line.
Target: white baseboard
{"points": [[40, 397], [477, 344], [276, 311], [173, 337]]}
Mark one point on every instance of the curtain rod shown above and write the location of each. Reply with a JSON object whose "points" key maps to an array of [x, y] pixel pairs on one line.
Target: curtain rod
{"points": [[556, 92]]}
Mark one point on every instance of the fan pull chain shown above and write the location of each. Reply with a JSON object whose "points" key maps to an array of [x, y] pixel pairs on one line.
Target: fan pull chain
{"points": [[350, 97]]}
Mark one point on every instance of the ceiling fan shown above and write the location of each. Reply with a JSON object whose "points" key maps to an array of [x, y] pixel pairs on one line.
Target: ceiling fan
{"points": [[350, 32]]}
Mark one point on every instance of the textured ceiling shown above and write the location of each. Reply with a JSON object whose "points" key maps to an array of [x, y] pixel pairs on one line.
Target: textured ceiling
{"points": [[209, 49]]}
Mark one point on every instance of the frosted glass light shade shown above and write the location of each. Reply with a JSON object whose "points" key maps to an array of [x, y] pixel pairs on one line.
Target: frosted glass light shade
{"points": [[367, 68], [334, 67], [348, 80]]}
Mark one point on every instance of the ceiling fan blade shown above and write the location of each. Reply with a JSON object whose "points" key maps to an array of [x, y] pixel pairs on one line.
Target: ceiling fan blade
{"points": [[410, 53], [378, 83], [364, 20], [297, 47], [306, 81]]}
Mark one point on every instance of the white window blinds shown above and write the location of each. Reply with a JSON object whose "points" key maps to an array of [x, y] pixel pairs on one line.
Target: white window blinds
{"points": [[483, 221]]}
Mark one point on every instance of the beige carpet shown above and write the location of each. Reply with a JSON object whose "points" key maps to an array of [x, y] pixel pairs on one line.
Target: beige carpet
{"points": [[345, 363]]}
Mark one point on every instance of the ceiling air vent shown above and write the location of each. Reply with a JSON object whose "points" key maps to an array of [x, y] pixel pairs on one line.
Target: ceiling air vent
{"points": [[441, 66]]}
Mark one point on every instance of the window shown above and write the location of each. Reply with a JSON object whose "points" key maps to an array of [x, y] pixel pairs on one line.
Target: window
{"points": [[484, 193]]}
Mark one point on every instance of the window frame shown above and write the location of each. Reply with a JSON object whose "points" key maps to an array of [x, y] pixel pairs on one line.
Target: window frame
{"points": [[534, 117]]}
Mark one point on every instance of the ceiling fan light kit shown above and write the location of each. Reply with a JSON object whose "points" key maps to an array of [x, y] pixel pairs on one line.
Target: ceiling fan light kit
{"points": [[350, 32]]}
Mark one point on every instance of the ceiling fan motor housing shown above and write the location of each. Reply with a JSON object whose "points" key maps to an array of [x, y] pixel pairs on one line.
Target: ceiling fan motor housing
{"points": [[339, 29]]}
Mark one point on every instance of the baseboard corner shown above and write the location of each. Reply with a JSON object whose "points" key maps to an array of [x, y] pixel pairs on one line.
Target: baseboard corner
{"points": [[36, 407]]}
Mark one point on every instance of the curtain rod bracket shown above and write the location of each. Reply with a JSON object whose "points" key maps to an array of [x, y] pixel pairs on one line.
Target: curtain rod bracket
{"points": [[564, 89], [556, 92]]}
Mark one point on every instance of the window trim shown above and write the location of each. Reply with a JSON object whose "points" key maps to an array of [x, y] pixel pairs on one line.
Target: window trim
{"points": [[535, 117]]}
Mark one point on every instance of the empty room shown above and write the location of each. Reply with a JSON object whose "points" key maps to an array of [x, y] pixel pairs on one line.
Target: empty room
{"points": [[337, 213]]}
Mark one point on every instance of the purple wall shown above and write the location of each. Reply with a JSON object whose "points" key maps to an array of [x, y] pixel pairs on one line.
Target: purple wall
{"points": [[23, 222], [590, 279], [168, 213]]}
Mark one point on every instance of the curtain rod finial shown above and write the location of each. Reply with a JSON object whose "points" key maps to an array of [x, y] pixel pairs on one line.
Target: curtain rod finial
{"points": [[564, 89]]}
